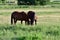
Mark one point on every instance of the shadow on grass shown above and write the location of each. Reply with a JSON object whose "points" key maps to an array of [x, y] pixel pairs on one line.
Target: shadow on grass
{"points": [[24, 38], [18, 38]]}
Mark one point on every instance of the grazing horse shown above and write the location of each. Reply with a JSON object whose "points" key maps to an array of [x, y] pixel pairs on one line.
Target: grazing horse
{"points": [[22, 16], [32, 17]]}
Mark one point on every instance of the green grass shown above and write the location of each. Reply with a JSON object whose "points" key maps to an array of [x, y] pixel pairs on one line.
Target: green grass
{"points": [[29, 6], [48, 13], [38, 32], [38, 13], [5, 13], [47, 27]]}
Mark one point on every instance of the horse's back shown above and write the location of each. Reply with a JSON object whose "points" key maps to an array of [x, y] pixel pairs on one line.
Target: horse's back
{"points": [[19, 15], [31, 14]]}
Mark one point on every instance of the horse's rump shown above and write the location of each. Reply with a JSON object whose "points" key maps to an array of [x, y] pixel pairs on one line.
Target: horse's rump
{"points": [[31, 16]]}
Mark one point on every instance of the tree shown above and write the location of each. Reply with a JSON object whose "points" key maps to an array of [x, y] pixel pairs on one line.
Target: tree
{"points": [[3, 1], [26, 2], [44, 2], [32, 2]]}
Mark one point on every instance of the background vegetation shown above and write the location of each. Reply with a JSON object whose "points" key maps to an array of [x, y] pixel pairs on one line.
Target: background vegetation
{"points": [[26, 2], [48, 22]]}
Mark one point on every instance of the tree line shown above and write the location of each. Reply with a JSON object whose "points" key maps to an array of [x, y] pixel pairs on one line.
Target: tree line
{"points": [[30, 2]]}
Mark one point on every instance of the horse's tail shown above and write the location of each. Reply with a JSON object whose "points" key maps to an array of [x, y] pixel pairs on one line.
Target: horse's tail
{"points": [[11, 20]]}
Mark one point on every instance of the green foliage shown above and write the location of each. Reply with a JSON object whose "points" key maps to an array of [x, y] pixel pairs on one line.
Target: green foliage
{"points": [[32, 2], [26, 2], [44, 2], [25, 32], [3, 1]]}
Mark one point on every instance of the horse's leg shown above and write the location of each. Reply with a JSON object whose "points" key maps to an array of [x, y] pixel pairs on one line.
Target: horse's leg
{"points": [[21, 21], [15, 21], [28, 22], [11, 20], [25, 22], [32, 21]]}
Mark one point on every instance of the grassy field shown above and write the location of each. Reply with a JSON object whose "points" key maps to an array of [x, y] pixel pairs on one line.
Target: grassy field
{"points": [[47, 28]]}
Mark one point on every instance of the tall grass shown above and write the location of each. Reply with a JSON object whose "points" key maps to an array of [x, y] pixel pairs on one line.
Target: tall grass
{"points": [[25, 32]]}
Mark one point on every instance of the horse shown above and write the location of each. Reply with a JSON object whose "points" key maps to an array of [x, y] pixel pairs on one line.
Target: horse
{"points": [[22, 16], [32, 17]]}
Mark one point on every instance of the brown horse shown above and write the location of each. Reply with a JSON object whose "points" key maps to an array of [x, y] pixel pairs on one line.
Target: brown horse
{"points": [[32, 17], [22, 16]]}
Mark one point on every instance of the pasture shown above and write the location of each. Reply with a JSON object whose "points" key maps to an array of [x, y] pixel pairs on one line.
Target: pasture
{"points": [[47, 28]]}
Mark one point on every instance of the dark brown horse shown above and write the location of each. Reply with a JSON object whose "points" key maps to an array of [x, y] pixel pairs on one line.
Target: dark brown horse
{"points": [[32, 17], [22, 16]]}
